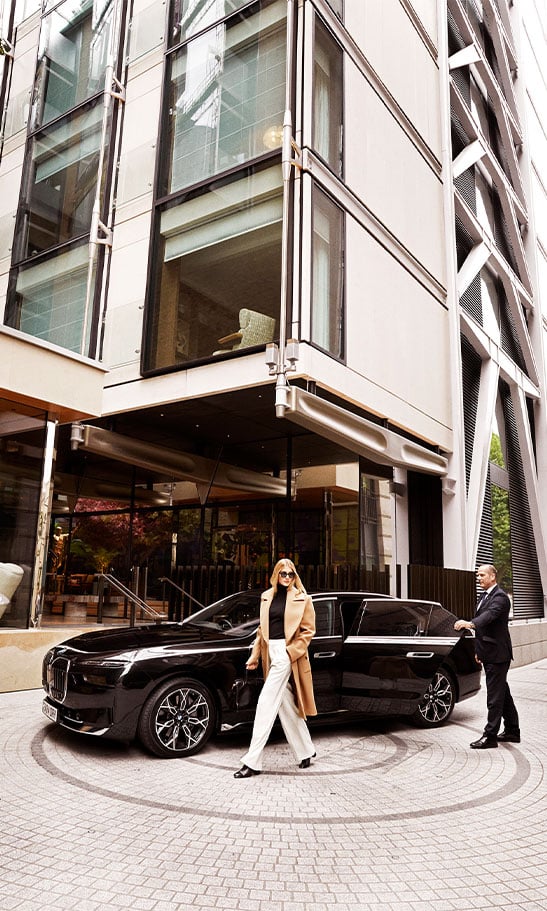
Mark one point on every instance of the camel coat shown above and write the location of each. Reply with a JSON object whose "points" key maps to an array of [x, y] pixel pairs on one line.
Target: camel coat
{"points": [[299, 630]]}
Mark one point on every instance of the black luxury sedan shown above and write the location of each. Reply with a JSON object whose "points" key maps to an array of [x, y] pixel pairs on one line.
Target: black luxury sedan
{"points": [[174, 685]]}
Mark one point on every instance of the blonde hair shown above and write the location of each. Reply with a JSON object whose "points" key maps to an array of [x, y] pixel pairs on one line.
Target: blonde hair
{"points": [[289, 566]]}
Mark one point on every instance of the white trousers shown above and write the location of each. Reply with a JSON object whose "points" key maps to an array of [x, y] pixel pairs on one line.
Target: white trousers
{"points": [[276, 698]]}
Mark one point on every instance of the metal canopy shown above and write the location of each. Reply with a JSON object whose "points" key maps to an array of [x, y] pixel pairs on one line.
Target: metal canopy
{"points": [[359, 435]]}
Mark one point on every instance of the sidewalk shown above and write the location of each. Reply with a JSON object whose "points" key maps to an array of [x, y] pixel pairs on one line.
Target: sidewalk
{"points": [[388, 818]]}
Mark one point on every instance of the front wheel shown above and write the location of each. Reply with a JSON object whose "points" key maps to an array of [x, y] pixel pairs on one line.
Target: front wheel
{"points": [[437, 703], [177, 719]]}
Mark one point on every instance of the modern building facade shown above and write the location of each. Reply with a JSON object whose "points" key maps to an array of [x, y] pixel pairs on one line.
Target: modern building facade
{"points": [[271, 279]]}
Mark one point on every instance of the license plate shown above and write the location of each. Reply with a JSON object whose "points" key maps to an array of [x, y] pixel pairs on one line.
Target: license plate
{"points": [[49, 711]]}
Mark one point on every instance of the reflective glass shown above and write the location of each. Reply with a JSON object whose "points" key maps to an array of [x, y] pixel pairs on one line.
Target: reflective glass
{"points": [[22, 442], [62, 184], [72, 57], [226, 96], [338, 7], [219, 283], [50, 298], [327, 329], [188, 17], [327, 97]]}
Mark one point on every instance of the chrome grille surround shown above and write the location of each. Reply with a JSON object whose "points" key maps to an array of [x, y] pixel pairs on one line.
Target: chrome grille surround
{"points": [[57, 678]]}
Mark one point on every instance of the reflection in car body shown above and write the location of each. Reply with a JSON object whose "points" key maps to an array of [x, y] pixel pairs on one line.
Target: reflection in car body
{"points": [[174, 685]]}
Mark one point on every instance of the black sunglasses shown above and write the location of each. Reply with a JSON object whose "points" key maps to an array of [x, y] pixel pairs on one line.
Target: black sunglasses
{"points": [[286, 575]]}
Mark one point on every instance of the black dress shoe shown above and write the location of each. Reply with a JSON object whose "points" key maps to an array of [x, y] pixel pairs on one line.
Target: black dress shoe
{"points": [[507, 737], [484, 743], [305, 763], [246, 772]]}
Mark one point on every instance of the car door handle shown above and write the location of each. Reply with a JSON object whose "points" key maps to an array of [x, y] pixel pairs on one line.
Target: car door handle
{"points": [[324, 654], [420, 654]]}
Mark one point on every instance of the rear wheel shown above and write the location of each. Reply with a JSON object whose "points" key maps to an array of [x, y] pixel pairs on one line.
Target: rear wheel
{"points": [[438, 701], [178, 718]]}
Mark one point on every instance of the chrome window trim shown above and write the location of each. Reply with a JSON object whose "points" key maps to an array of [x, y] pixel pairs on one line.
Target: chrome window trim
{"points": [[403, 640]]}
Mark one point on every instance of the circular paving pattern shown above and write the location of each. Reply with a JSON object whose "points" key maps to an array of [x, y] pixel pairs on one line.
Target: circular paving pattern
{"points": [[204, 785]]}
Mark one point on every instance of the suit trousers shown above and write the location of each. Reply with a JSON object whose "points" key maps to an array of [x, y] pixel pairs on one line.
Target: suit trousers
{"points": [[277, 698], [499, 701]]}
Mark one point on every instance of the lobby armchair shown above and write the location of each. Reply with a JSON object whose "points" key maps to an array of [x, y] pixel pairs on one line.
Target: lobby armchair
{"points": [[254, 329]]}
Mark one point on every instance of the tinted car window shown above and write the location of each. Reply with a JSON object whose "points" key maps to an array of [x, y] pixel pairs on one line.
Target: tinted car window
{"points": [[235, 614], [393, 618], [441, 622], [325, 613]]}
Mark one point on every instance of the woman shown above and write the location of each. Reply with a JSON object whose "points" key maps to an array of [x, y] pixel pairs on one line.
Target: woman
{"points": [[287, 625]]}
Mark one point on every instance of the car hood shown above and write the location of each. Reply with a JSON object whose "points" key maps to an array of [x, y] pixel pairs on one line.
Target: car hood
{"points": [[152, 636]]}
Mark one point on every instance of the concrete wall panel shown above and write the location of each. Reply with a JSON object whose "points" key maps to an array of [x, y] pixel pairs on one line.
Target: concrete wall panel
{"points": [[386, 170], [396, 50], [397, 333]]}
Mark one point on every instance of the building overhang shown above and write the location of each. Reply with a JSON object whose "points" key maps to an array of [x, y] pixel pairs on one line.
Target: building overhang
{"points": [[174, 464], [359, 435], [32, 373]]}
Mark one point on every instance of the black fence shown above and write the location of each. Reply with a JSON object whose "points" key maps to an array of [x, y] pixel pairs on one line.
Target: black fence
{"points": [[455, 589], [208, 583], [203, 584]]}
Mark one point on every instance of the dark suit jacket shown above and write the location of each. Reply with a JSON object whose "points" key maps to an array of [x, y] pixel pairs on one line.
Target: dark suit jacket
{"points": [[492, 639]]}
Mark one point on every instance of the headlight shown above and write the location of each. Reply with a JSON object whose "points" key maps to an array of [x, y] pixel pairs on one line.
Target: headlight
{"points": [[101, 671]]}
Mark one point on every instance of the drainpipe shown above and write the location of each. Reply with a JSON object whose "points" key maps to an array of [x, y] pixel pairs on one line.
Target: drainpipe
{"points": [[282, 359]]}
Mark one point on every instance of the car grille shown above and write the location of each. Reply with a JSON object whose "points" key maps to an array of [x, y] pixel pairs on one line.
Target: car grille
{"points": [[57, 677]]}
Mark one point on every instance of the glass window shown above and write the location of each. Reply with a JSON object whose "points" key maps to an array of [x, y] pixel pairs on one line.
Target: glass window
{"points": [[338, 7], [22, 442], [73, 53], [327, 327], [63, 182], [388, 618], [188, 17], [218, 288], [327, 97], [325, 613], [226, 92], [50, 297]]}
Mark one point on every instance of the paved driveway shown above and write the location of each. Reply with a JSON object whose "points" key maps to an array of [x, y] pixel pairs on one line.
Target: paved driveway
{"points": [[388, 818]]}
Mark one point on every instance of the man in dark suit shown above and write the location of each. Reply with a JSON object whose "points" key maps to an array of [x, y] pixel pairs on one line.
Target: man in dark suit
{"points": [[494, 651]]}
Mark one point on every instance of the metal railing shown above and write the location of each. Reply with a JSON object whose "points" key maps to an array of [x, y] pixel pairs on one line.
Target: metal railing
{"points": [[134, 600], [178, 607]]}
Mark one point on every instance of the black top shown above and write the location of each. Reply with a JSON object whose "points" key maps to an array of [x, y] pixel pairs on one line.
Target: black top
{"points": [[277, 614]]}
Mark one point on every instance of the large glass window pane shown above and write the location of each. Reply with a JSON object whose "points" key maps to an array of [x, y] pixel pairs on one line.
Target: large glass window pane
{"points": [[327, 328], [376, 537], [327, 97], [226, 97], [50, 297], [218, 289], [188, 17], [62, 184], [22, 442], [73, 53]]}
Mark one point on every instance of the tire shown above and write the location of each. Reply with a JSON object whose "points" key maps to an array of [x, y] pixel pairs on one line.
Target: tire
{"points": [[177, 719], [438, 701]]}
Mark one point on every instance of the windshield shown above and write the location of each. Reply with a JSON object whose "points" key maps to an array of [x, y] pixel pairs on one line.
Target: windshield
{"points": [[236, 615]]}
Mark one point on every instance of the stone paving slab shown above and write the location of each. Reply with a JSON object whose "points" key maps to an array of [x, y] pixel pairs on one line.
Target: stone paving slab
{"points": [[388, 818]]}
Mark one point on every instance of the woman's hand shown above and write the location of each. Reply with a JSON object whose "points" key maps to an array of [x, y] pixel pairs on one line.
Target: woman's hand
{"points": [[251, 665]]}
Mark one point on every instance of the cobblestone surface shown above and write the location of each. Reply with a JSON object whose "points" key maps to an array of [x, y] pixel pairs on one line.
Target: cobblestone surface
{"points": [[388, 818]]}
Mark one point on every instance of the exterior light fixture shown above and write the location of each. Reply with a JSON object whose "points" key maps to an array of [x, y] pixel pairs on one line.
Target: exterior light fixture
{"points": [[6, 48], [273, 137]]}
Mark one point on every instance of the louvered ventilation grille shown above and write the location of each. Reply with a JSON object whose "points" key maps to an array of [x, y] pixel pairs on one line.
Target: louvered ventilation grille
{"points": [[470, 300], [465, 184], [471, 374], [509, 340], [527, 590]]}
